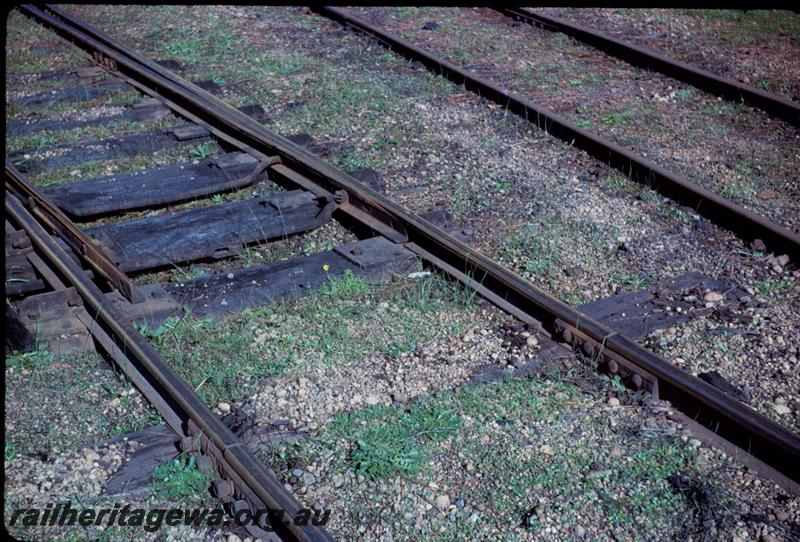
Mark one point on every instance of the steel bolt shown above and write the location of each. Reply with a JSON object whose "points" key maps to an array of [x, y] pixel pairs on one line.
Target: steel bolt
{"points": [[188, 444], [204, 463], [613, 367], [223, 489], [237, 507]]}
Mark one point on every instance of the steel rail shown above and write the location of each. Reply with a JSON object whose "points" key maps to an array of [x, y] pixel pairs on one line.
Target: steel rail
{"points": [[734, 421], [725, 87], [82, 244], [744, 223], [176, 398]]}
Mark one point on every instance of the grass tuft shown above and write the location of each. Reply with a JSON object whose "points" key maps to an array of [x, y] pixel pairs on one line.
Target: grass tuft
{"points": [[181, 479], [342, 321], [390, 441]]}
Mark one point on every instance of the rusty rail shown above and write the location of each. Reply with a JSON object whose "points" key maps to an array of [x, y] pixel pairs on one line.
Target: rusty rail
{"points": [[649, 59], [727, 214], [81, 243], [242, 475], [751, 431]]}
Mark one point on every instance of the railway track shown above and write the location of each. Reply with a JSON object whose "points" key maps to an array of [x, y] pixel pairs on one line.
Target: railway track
{"points": [[727, 214], [46, 243], [643, 57], [243, 483]]}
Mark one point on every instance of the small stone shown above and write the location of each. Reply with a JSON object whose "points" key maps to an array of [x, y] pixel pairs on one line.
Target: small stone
{"points": [[442, 502], [531, 341], [233, 538], [781, 410], [781, 515], [767, 194], [309, 478], [546, 449], [230, 276], [613, 401], [713, 297], [759, 245], [91, 455], [373, 399], [224, 407], [297, 473], [580, 532]]}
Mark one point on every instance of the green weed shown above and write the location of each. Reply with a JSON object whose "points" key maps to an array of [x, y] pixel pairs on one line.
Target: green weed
{"points": [[632, 282], [391, 441], [10, 451], [501, 186], [180, 478], [204, 150], [775, 288]]}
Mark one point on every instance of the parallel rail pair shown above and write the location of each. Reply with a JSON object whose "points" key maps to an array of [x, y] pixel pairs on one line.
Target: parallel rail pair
{"points": [[252, 484], [640, 56], [742, 222]]}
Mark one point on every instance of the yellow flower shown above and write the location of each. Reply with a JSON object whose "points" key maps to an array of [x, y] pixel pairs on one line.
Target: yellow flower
{"points": [[326, 267]]}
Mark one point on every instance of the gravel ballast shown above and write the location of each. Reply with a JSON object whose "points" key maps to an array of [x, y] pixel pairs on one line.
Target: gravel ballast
{"points": [[387, 371]]}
